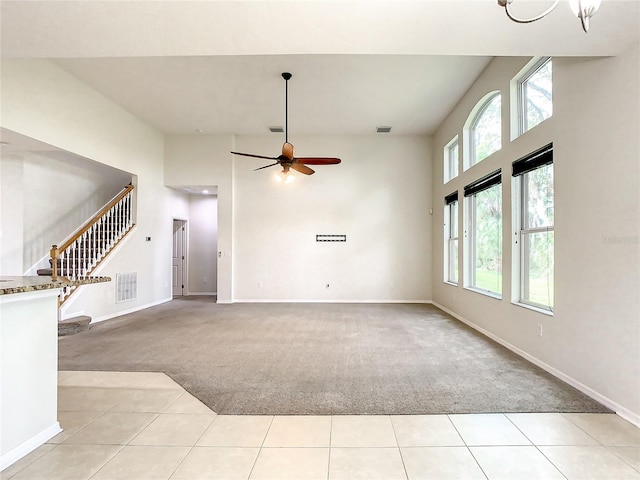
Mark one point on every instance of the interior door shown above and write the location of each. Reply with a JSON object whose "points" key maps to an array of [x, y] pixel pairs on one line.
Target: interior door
{"points": [[178, 257]]}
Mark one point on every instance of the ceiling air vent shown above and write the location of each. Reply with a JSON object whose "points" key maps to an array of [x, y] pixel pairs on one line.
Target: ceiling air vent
{"points": [[383, 129], [276, 129]]}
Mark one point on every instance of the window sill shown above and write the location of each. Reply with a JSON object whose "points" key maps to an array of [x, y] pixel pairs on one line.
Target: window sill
{"points": [[486, 293], [549, 313], [453, 284]]}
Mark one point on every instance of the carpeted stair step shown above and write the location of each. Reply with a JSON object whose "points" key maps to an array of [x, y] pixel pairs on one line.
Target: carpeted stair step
{"points": [[74, 325]]}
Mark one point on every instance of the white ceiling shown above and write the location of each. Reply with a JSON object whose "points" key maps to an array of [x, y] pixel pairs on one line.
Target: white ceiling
{"points": [[328, 94], [215, 65]]}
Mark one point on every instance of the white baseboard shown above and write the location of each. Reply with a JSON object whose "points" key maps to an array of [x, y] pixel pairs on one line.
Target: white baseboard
{"points": [[285, 300], [607, 402], [15, 454], [131, 310]]}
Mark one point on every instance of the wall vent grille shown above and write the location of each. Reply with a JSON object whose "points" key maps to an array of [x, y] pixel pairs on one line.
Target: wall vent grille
{"points": [[126, 287], [331, 238]]}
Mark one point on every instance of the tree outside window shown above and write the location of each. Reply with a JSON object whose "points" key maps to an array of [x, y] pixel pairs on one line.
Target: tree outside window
{"points": [[537, 237], [486, 240], [485, 133], [535, 95]]}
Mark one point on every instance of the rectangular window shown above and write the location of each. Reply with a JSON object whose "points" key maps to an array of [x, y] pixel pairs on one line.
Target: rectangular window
{"points": [[451, 238], [484, 234], [535, 95], [451, 160], [534, 218]]}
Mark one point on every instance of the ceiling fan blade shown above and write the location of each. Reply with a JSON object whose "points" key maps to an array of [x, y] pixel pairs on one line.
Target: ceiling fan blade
{"points": [[254, 156], [287, 150], [318, 161], [302, 168], [267, 166]]}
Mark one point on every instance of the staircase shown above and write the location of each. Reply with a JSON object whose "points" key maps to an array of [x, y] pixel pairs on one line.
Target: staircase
{"points": [[84, 250]]}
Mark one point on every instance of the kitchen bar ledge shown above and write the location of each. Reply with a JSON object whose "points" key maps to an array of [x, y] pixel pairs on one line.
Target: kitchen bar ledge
{"points": [[11, 285], [29, 362]]}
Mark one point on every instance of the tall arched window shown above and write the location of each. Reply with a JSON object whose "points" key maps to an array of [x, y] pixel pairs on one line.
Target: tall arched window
{"points": [[484, 129]]}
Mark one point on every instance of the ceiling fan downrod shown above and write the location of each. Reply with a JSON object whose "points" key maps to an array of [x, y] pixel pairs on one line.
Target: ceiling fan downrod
{"points": [[287, 76]]}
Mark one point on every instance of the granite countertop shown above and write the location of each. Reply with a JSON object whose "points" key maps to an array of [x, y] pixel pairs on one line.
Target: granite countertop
{"points": [[9, 285]]}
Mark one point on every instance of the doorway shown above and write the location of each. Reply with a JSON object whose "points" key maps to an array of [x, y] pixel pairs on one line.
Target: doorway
{"points": [[178, 257]]}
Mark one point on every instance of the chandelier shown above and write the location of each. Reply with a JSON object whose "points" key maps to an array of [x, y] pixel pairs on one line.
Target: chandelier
{"points": [[583, 9]]}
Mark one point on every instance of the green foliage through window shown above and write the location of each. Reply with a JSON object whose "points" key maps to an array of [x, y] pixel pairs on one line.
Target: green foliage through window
{"points": [[536, 95], [537, 238], [486, 130], [486, 244]]}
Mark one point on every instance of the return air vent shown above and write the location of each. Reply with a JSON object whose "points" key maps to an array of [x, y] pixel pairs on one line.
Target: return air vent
{"points": [[383, 130], [276, 129], [126, 287], [331, 238]]}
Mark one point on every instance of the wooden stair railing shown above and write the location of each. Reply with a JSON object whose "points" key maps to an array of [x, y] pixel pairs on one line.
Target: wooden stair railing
{"points": [[86, 248]]}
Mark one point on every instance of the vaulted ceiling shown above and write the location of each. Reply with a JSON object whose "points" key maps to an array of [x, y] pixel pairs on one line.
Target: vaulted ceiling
{"points": [[214, 66]]}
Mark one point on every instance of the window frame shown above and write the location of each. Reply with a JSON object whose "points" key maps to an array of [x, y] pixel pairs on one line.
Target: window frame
{"points": [[540, 158], [451, 237], [492, 180], [518, 93], [477, 115], [451, 167]]}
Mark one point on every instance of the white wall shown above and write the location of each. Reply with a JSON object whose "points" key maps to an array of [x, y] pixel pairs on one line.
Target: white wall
{"points": [[593, 338], [203, 244], [379, 197], [41, 101], [205, 160], [56, 197], [11, 215], [28, 372]]}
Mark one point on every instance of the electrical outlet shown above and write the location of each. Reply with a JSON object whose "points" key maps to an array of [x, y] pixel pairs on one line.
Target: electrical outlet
{"points": [[204, 279], [260, 284]]}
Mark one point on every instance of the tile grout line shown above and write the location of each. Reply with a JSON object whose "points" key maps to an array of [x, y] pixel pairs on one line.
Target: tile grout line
{"points": [[194, 443], [395, 434], [466, 445], [329, 456], [261, 447], [537, 447], [107, 461]]}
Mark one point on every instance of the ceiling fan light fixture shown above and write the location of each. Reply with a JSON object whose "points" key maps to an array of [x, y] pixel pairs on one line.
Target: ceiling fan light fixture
{"points": [[287, 160], [282, 177], [383, 129], [584, 9]]}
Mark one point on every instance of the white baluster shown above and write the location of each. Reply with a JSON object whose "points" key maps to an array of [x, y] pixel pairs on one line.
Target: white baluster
{"points": [[85, 253]]}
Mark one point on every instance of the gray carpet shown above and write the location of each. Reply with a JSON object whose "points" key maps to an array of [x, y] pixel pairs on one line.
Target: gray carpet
{"points": [[322, 359]]}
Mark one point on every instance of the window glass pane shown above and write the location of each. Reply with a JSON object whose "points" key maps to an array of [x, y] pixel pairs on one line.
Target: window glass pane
{"points": [[537, 97], [487, 240], [451, 160], [486, 133], [453, 220], [538, 197], [537, 268], [453, 260], [451, 245]]}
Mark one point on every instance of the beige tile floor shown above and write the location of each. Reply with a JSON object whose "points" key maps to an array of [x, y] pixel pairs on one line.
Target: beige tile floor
{"points": [[145, 426]]}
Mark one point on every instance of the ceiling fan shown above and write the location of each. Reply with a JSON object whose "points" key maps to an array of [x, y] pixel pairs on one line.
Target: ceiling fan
{"points": [[287, 159]]}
